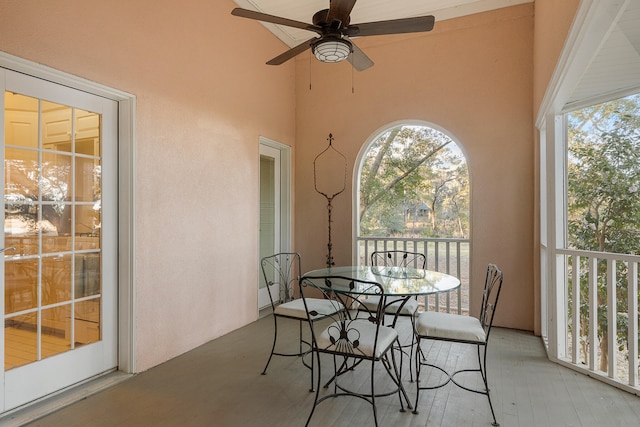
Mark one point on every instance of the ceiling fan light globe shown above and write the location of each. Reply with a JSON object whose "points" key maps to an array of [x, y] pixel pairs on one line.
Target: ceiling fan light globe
{"points": [[332, 50]]}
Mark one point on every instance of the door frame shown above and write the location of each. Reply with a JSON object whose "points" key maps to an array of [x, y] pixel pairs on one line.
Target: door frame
{"points": [[126, 193], [285, 195]]}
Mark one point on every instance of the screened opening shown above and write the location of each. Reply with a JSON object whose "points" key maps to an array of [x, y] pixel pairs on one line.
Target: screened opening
{"points": [[414, 196], [603, 236]]}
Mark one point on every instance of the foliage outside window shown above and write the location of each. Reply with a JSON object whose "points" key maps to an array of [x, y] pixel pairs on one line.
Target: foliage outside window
{"points": [[414, 183], [603, 203]]}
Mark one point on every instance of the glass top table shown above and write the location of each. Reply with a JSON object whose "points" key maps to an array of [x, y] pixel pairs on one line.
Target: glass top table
{"points": [[396, 281]]}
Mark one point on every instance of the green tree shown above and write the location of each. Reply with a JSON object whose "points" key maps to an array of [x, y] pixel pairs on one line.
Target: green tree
{"points": [[603, 203], [414, 181]]}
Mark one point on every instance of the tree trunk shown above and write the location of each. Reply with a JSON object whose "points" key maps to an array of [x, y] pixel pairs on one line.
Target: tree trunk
{"points": [[604, 352]]}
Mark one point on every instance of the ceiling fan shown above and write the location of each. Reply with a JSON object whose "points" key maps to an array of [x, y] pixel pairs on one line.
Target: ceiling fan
{"points": [[335, 30]]}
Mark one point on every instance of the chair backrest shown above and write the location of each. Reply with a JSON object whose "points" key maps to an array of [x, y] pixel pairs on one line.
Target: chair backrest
{"points": [[492, 287], [283, 270], [342, 292], [398, 259]]}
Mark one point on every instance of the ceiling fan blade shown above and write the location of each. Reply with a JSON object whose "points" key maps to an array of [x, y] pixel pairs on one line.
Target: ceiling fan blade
{"points": [[283, 57], [395, 26], [359, 59], [259, 16], [339, 10]]}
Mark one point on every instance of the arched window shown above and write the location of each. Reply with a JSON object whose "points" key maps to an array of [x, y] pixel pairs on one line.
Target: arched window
{"points": [[413, 194]]}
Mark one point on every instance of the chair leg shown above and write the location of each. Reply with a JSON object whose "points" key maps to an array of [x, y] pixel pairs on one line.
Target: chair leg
{"points": [[483, 372], [273, 347], [413, 342], [302, 354], [300, 336], [397, 379], [373, 393], [315, 400], [417, 365]]}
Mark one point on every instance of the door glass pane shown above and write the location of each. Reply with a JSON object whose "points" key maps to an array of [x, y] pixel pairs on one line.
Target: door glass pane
{"points": [[53, 217], [21, 120], [56, 126], [87, 132], [87, 180], [56, 330], [56, 279], [20, 340], [21, 285], [56, 177], [87, 275], [87, 322], [21, 175]]}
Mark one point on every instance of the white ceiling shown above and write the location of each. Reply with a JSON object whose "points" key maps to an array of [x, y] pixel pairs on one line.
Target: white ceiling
{"points": [[614, 67]]}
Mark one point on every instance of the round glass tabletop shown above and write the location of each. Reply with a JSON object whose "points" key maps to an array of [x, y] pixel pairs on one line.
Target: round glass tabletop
{"points": [[396, 281]]}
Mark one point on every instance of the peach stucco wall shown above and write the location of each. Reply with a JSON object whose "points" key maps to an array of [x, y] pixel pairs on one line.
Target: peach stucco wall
{"points": [[471, 76], [204, 97]]}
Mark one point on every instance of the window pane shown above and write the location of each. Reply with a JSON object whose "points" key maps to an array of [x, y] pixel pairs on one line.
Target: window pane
{"points": [[56, 127], [87, 133], [56, 330], [56, 279], [87, 277], [20, 285], [56, 177], [87, 227], [21, 120], [20, 341], [87, 180], [21, 176], [87, 322]]}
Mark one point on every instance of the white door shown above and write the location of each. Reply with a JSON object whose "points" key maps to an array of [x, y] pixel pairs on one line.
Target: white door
{"points": [[60, 268], [270, 218]]}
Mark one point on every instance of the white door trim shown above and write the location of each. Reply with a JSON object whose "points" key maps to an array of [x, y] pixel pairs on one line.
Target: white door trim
{"points": [[285, 191], [126, 189]]}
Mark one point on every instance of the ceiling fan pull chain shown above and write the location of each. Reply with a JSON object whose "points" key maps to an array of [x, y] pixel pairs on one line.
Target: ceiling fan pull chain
{"points": [[352, 85], [309, 73]]}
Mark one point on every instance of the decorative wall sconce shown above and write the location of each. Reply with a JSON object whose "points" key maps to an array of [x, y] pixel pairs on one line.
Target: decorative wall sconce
{"points": [[330, 179]]}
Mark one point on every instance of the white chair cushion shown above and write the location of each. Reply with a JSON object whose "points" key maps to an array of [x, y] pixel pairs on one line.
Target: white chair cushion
{"points": [[450, 326], [358, 330], [409, 309], [295, 308]]}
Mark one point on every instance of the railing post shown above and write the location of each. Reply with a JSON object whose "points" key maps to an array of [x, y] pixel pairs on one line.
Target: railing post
{"points": [[593, 312], [632, 333], [612, 318], [576, 332]]}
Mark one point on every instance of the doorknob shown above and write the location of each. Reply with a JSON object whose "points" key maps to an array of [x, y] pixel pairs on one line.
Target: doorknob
{"points": [[7, 249]]}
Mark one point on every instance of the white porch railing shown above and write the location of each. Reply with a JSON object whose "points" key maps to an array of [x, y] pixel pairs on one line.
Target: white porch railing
{"points": [[449, 256], [588, 340]]}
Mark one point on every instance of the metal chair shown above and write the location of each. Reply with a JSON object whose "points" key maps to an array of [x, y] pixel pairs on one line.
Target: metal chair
{"points": [[281, 272], [352, 340], [461, 329], [400, 306]]}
